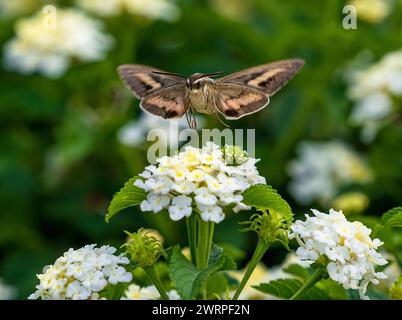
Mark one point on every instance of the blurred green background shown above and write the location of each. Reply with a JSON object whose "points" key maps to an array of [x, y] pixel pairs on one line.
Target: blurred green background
{"points": [[61, 159]]}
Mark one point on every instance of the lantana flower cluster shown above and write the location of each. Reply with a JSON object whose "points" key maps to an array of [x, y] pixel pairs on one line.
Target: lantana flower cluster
{"points": [[81, 274], [48, 44], [344, 247], [201, 179], [376, 90]]}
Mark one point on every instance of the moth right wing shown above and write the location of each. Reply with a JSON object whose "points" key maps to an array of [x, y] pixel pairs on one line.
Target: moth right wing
{"points": [[235, 100], [168, 103], [269, 78], [142, 80]]}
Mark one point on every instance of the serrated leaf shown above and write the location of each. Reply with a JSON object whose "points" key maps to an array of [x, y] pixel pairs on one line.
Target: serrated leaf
{"points": [[128, 196], [286, 288], [392, 218], [297, 270], [188, 280], [263, 196]]}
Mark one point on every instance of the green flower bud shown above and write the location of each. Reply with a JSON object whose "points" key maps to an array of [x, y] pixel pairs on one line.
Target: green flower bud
{"points": [[143, 248], [269, 227], [234, 155]]}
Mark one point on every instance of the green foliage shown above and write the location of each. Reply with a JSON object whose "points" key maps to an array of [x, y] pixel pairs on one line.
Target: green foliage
{"points": [[128, 196], [265, 197], [285, 288], [188, 280]]}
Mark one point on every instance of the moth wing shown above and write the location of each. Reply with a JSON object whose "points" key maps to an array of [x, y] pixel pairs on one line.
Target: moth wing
{"points": [[142, 80], [168, 103], [269, 78], [235, 101]]}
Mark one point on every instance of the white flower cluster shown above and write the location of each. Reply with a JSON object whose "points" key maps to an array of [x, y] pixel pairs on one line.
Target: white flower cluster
{"points": [[47, 44], [350, 253], [374, 90], [6, 292], [200, 177], [322, 168], [81, 274], [135, 292], [152, 9]]}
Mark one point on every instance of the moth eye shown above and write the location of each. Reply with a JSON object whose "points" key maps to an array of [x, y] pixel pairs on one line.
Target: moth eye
{"points": [[197, 85]]}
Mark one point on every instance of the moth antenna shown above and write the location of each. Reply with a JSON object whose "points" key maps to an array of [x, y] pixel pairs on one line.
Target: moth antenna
{"points": [[169, 74], [212, 74]]}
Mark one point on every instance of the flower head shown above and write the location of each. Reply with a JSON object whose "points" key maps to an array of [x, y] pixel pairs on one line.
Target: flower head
{"points": [[81, 274], [50, 50], [344, 248], [323, 168], [198, 179]]}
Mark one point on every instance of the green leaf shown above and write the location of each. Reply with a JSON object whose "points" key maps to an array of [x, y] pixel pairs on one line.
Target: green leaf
{"points": [[128, 196], [286, 288], [390, 219], [263, 196], [297, 270], [187, 279]]}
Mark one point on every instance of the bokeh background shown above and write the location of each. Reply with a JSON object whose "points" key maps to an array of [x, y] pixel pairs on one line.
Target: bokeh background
{"points": [[71, 134]]}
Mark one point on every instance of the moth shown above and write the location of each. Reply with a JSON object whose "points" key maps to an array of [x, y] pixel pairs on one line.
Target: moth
{"points": [[170, 95]]}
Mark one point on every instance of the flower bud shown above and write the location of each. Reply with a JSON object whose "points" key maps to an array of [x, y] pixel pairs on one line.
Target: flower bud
{"points": [[143, 248], [234, 155], [269, 227]]}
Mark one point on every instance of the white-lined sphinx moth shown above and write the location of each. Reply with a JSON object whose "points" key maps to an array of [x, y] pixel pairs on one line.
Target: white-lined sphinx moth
{"points": [[171, 95]]}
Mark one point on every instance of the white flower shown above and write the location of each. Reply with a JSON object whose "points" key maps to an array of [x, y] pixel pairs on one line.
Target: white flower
{"points": [[155, 9], [211, 213], [6, 292], [135, 292], [351, 254], [50, 50], [322, 169], [373, 90], [80, 274], [197, 179], [173, 295]]}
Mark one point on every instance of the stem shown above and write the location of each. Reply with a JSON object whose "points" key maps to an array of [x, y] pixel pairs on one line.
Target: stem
{"points": [[315, 277], [192, 236], [259, 252], [151, 272], [205, 235]]}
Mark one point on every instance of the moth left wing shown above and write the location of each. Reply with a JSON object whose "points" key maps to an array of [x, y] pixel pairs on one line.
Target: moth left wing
{"points": [[142, 80], [235, 101], [168, 103], [269, 78]]}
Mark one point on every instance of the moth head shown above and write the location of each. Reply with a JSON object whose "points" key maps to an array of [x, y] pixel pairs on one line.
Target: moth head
{"points": [[197, 80]]}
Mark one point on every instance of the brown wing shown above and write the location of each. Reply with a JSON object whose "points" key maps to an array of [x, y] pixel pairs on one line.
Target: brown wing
{"points": [[235, 101], [267, 77], [142, 81], [168, 103]]}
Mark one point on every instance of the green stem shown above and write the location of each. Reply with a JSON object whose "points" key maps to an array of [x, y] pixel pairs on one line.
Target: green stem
{"points": [[205, 235], [151, 272], [315, 277], [191, 223], [259, 252]]}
